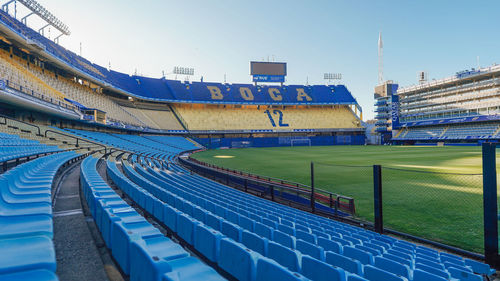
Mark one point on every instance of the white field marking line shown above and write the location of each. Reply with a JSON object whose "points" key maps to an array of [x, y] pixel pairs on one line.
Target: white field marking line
{"points": [[68, 213], [223, 156]]}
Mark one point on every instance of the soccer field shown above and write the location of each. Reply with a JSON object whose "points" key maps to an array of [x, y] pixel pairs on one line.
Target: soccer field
{"points": [[433, 192]]}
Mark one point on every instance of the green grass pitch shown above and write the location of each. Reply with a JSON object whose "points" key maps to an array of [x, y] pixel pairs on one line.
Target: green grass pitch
{"points": [[445, 207]]}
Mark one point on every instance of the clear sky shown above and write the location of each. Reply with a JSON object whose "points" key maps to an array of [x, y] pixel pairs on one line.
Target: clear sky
{"points": [[221, 36]]}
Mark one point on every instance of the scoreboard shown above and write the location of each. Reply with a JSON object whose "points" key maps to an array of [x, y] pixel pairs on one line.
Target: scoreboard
{"points": [[268, 71]]}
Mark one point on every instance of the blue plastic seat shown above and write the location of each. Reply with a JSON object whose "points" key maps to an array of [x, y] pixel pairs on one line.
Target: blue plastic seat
{"points": [[348, 264], [283, 255], [376, 274], [464, 275], [27, 253], [38, 275], [310, 249], [358, 254], [264, 230], [255, 242], [185, 227], [123, 234], [321, 271], [420, 275], [231, 230], [329, 245], [21, 226], [190, 269], [207, 242], [392, 266], [150, 257], [284, 239], [237, 260], [268, 269], [311, 238]]}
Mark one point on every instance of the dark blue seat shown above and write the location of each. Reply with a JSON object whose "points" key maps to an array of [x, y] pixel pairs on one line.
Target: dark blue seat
{"points": [[420, 275], [284, 239], [231, 230], [358, 254], [392, 266]]}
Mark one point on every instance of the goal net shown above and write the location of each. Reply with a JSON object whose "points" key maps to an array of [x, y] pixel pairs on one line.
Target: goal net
{"points": [[300, 142]]}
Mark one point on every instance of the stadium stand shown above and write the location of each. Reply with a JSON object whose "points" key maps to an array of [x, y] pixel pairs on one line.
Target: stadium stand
{"points": [[219, 117]]}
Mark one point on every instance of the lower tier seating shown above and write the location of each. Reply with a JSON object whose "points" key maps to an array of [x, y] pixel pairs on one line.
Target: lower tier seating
{"points": [[26, 229], [222, 222], [140, 249]]}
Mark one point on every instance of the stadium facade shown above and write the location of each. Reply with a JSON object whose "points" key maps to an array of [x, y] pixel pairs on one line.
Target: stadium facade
{"points": [[463, 108], [44, 77]]}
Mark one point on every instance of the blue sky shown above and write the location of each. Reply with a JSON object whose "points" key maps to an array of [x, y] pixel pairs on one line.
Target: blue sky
{"points": [[221, 36]]}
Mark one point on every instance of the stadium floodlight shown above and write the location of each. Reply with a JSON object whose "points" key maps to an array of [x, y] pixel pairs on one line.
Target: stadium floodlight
{"points": [[332, 76], [47, 16], [183, 70]]}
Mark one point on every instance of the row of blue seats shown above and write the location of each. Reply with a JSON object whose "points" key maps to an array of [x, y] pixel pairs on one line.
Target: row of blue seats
{"points": [[26, 229], [192, 232], [205, 228], [140, 249], [366, 247], [8, 153], [16, 141]]}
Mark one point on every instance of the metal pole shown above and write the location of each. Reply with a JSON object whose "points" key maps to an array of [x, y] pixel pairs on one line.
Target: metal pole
{"points": [[313, 205], [490, 204], [377, 198]]}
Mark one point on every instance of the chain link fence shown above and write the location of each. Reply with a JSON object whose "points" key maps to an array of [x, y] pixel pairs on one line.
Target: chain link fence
{"points": [[354, 181], [442, 207]]}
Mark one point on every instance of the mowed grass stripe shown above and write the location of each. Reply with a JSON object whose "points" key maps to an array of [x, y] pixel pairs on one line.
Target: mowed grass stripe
{"points": [[442, 207]]}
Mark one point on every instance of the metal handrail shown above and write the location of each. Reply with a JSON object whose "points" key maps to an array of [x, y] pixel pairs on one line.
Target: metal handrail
{"points": [[23, 122], [74, 137]]}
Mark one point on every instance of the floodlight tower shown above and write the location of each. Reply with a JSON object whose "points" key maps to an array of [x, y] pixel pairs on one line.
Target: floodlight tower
{"points": [[380, 59]]}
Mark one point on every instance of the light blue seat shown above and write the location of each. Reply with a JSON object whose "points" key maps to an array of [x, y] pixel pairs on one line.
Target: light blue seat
{"points": [[185, 227], [348, 264], [376, 274], [255, 242], [123, 234], [268, 269], [207, 242], [150, 257], [308, 237], [464, 275], [310, 249], [27, 253], [21, 226], [38, 275], [420, 275], [190, 269], [358, 254], [392, 266], [111, 215], [321, 271], [479, 267], [283, 255], [213, 221], [284, 239], [264, 230], [329, 245], [170, 216], [237, 260], [433, 270], [231, 230]]}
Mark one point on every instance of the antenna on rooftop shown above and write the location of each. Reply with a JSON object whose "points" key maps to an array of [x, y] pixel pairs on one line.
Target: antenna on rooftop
{"points": [[380, 59]]}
